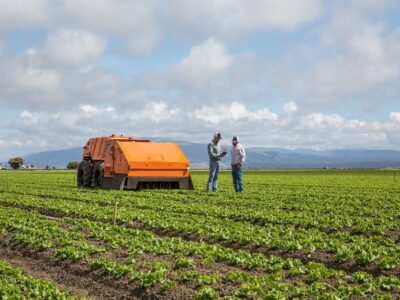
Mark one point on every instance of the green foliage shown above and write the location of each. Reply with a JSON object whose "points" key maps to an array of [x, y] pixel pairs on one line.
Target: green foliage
{"points": [[184, 263], [73, 165], [249, 289], [167, 286], [346, 218], [15, 284], [16, 162], [207, 293], [236, 277]]}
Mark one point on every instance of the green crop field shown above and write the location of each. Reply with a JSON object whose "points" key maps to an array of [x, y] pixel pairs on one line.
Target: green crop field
{"points": [[332, 234]]}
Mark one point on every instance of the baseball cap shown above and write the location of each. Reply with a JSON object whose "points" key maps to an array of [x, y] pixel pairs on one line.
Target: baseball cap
{"points": [[217, 135], [235, 138]]}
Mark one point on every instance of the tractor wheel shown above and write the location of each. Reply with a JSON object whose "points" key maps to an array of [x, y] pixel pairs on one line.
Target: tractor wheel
{"points": [[98, 175], [84, 174]]}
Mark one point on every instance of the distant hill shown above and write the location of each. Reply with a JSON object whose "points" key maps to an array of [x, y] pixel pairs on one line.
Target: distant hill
{"points": [[257, 158], [56, 158]]}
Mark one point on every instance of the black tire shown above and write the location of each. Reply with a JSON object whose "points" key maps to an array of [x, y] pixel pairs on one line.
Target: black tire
{"points": [[84, 174], [98, 175]]}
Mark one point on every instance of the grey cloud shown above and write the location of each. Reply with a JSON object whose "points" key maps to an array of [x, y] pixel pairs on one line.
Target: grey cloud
{"points": [[73, 47], [19, 14], [357, 53], [141, 24], [237, 18], [31, 81], [134, 21]]}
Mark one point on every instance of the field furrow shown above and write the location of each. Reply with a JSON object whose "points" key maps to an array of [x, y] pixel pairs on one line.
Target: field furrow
{"points": [[293, 234]]}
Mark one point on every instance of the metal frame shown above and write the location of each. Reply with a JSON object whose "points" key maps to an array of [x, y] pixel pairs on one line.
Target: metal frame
{"points": [[121, 181]]}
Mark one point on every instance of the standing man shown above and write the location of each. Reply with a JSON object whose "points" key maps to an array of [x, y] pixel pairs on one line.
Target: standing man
{"points": [[238, 156], [215, 154]]}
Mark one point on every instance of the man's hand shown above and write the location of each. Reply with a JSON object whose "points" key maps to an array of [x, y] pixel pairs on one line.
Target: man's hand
{"points": [[237, 165], [222, 154]]}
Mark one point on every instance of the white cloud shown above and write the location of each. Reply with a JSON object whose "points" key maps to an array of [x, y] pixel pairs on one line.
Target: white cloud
{"points": [[32, 51], [73, 47], [204, 61], [395, 116], [235, 111], [290, 107], [90, 109], [28, 119], [71, 83], [159, 119], [159, 111], [319, 121]]}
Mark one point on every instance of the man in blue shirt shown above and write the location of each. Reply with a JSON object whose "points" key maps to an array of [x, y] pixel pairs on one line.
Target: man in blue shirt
{"points": [[215, 154]]}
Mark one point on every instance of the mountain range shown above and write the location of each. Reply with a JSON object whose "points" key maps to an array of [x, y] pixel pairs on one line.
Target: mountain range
{"points": [[257, 158]]}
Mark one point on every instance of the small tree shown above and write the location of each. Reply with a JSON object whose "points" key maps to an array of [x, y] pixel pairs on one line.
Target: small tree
{"points": [[16, 162], [73, 165]]}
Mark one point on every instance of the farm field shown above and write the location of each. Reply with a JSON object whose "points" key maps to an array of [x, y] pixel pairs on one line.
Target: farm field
{"points": [[307, 234]]}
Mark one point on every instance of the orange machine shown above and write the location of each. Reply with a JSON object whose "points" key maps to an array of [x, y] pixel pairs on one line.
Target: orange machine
{"points": [[121, 162]]}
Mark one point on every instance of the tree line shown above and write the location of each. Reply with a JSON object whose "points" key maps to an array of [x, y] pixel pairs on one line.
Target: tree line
{"points": [[17, 162]]}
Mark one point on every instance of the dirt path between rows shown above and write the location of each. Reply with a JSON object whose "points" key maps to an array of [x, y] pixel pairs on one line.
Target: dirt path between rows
{"points": [[328, 259], [72, 277]]}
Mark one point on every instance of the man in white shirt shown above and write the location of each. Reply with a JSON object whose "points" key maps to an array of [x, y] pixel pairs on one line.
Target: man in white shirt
{"points": [[238, 156]]}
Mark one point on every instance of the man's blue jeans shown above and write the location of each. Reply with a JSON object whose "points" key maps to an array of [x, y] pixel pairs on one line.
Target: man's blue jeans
{"points": [[212, 183], [237, 178]]}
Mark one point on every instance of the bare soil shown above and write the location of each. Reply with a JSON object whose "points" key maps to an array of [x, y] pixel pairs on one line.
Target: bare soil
{"points": [[76, 278], [319, 256], [323, 257]]}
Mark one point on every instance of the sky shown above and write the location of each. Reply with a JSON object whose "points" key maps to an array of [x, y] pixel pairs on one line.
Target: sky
{"points": [[277, 73]]}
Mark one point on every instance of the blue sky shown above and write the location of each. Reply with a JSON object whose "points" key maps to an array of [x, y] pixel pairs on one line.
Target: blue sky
{"points": [[288, 73]]}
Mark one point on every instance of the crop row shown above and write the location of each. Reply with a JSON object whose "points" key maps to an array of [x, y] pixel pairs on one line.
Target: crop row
{"points": [[274, 277], [15, 284], [344, 245], [370, 212]]}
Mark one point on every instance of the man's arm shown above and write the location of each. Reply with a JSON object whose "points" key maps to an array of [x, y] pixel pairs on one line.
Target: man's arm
{"points": [[242, 155], [211, 153]]}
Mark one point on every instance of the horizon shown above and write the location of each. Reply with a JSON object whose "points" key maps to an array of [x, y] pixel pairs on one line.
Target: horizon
{"points": [[251, 147], [4, 159]]}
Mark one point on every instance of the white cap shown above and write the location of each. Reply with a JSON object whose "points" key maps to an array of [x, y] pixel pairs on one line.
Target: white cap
{"points": [[217, 135]]}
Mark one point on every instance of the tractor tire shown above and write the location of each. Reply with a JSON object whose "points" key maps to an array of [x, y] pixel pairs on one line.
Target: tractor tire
{"points": [[98, 175], [84, 174]]}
